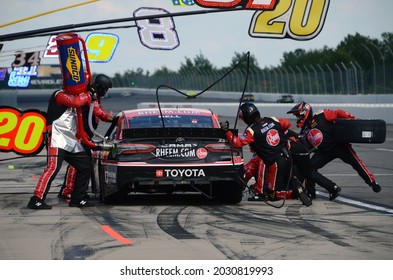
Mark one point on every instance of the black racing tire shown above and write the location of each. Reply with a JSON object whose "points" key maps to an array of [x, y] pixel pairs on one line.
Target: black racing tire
{"points": [[360, 131], [228, 192]]}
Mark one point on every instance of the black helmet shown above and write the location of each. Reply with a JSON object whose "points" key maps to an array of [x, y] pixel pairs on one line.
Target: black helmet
{"points": [[249, 113], [101, 84], [303, 113]]}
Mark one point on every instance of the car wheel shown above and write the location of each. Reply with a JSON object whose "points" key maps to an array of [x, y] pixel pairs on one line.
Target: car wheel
{"points": [[228, 192], [95, 177]]}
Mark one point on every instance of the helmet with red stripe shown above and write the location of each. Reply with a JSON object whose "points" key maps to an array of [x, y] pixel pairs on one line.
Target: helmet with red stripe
{"points": [[303, 113]]}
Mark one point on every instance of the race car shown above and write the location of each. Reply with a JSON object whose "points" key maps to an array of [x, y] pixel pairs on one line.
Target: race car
{"points": [[168, 151]]}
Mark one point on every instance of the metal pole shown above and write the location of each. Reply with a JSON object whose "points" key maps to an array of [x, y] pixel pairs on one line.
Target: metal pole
{"points": [[287, 74], [323, 77], [374, 75], [341, 78], [301, 74], [383, 66], [356, 77], [346, 76], [316, 78], [361, 77], [294, 78], [275, 75], [332, 76], [282, 80], [309, 78]]}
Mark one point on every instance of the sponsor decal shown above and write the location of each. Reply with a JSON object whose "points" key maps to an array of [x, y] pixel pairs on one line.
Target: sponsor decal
{"points": [[315, 137], [176, 151], [73, 64], [201, 153], [272, 137], [159, 173], [266, 127], [195, 172], [110, 177]]}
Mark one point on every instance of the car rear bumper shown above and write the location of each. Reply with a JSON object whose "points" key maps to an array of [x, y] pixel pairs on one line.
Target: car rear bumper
{"points": [[146, 177]]}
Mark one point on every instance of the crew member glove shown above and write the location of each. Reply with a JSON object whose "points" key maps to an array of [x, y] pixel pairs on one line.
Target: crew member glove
{"points": [[115, 119], [224, 126], [92, 90]]}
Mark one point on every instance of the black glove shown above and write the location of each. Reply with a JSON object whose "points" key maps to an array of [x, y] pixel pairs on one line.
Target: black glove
{"points": [[224, 126], [115, 119], [93, 93]]}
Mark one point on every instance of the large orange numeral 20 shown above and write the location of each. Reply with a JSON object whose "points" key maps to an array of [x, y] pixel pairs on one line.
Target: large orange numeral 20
{"points": [[21, 132]]}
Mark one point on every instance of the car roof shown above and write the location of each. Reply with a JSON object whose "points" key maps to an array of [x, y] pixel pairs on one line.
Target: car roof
{"points": [[167, 112]]}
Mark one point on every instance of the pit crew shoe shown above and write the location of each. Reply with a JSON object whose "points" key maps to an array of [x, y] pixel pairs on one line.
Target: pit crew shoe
{"points": [[258, 197], [336, 192], [81, 204], [304, 198], [38, 204], [65, 197], [376, 187]]}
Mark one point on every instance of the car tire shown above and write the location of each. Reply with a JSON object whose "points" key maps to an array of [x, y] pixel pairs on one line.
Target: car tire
{"points": [[360, 131], [228, 192]]}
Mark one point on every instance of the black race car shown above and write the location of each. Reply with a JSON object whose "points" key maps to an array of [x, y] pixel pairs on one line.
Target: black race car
{"points": [[168, 151]]}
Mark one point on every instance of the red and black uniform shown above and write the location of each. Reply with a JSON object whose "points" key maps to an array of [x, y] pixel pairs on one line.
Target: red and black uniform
{"points": [[255, 167], [267, 139], [319, 135], [98, 114], [63, 144], [302, 168]]}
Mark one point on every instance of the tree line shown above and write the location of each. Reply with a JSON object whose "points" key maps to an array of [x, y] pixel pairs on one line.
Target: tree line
{"points": [[373, 57]]}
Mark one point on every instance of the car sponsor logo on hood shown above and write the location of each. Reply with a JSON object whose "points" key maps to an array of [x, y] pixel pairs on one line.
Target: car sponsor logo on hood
{"points": [[174, 173]]}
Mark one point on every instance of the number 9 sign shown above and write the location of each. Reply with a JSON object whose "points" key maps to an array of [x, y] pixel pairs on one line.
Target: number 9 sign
{"points": [[21, 132]]}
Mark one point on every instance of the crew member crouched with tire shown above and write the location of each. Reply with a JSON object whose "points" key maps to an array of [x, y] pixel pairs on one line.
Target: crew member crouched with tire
{"points": [[317, 131]]}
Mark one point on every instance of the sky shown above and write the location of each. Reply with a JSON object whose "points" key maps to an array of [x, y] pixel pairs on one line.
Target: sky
{"points": [[217, 36]]}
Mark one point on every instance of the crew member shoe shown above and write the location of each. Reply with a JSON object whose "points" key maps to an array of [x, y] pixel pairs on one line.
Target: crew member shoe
{"points": [[376, 187], [65, 197], [336, 192], [304, 198], [38, 204], [81, 204], [258, 197]]}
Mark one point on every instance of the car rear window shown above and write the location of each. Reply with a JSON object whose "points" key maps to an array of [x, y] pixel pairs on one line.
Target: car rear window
{"points": [[171, 121]]}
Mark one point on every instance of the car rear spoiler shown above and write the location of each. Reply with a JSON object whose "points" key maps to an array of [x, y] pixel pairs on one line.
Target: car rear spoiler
{"points": [[174, 132]]}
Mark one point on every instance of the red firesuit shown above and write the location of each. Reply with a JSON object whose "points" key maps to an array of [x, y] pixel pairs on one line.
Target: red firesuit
{"points": [[63, 144], [318, 131], [99, 114], [267, 138]]}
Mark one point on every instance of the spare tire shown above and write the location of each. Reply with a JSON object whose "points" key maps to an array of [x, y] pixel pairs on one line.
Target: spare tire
{"points": [[360, 131]]}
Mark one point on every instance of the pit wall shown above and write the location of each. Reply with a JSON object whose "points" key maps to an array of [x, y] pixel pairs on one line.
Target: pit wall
{"points": [[362, 106]]}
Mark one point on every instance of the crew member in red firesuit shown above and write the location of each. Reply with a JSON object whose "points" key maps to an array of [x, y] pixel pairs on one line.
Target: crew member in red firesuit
{"points": [[64, 145], [317, 131], [266, 138], [303, 170], [100, 87]]}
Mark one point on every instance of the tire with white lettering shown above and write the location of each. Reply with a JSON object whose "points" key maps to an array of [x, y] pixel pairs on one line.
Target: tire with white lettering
{"points": [[228, 192], [114, 198]]}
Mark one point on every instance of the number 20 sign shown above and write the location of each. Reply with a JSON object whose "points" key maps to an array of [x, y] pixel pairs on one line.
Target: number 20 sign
{"points": [[21, 132]]}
